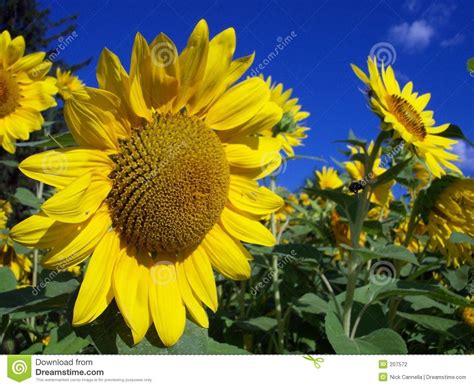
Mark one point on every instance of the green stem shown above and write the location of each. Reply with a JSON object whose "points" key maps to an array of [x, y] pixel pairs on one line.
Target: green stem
{"points": [[356, 230], [276, 280]]}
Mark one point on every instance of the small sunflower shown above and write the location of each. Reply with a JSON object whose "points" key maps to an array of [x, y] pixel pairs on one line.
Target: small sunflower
{"points": [[341, 234], [415, 245], [404, 111], [328, 178], [25, 91], [162, 187], [305, 200], [453, 211], [289, 130], [68, 84], [19, 264], [382, 194]]}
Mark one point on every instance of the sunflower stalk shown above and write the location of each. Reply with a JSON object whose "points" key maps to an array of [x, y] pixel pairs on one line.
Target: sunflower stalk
{"points": [[356, 230], [276, 280]]}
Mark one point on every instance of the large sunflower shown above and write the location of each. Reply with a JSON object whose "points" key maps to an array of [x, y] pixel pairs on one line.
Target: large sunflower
{"points": [[162, 186], [25, 91], [289, 130], [452, 211], [404, 111]]}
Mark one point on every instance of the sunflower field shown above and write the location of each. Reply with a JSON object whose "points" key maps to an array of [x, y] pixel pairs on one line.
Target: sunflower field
{"points": [[145, 215]]}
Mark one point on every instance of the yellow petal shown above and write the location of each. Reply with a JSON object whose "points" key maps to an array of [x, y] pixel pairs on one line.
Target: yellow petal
{"points": [[166, 304], [15, 51], [78, 245], [221, 50], [96, 291], [91, 126], [137, 100], [192, 63], [252, 152], [164, 71], [60, 167], [79, 200], [41, 231], [200, 276], [192, 302], [238, 105], [130, 282], [245, 229], [227, 254], [247, 195], [238, 68]]}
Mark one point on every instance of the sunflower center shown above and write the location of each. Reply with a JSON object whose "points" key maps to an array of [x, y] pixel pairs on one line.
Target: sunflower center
{"points": [[407, 115], [170, 184], [9, 93]]}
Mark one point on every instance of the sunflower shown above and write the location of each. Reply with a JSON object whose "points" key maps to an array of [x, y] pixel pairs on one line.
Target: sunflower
{"points": [[415, 245], [404, 111], [288, 130], [453, 211], [162, 185], [328, 178], [305, 200], [69, 84], [382, 194], [25, 91], [19, 264]]}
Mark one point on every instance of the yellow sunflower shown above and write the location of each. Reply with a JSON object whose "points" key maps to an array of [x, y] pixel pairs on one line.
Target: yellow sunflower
{"points": [[289, 130], [328, 178], [25, 91], [453, 211], [382, 194], [404, 111], [153, 191], [19, 264], [68, 84]]}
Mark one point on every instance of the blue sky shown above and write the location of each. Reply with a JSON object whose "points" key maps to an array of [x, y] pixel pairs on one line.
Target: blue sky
{"points": [[427, 41]]}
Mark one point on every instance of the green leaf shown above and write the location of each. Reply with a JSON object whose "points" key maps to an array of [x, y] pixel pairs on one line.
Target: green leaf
{"points": [[390, 252], [295, 250], [391, 173], [7, 280], [111, 335], [9, 163], [344, 200], [407, 288], [459, 277], [62, 140], [27, 198], [36, 348], [457, 237], [216, 348], [258, 324], [64, 341], [444, 326], [312, 304], [382, 341], [455, 131]]}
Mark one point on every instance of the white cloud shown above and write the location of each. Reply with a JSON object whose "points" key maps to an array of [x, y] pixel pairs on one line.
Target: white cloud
{"points": [[439, 12], [414, 36], [466, 155], [453, 41]]}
